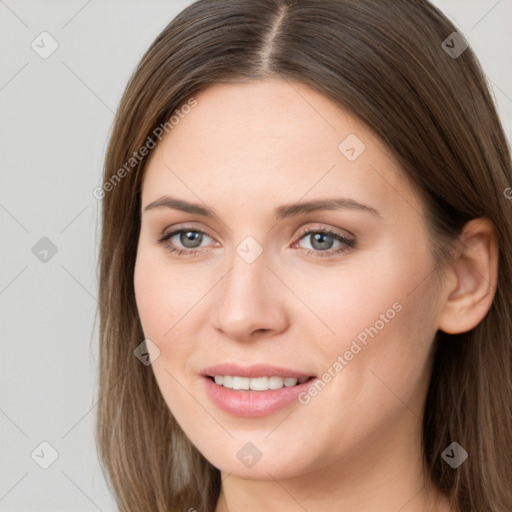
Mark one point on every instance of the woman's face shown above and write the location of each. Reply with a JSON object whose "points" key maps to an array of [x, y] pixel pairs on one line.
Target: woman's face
{"points": [[259, 289]]}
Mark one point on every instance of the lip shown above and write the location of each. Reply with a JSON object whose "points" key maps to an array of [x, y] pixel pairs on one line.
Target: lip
{"points": [[256, 370], [248, 403]]}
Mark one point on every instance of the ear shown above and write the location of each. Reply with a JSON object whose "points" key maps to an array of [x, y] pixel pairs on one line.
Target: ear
{"points": [[474, 276]]}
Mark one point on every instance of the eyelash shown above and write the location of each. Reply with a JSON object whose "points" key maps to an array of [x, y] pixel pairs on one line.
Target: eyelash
{"points": [[348, 243]]}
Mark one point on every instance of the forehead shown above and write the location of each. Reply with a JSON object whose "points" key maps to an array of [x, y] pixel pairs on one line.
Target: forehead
{"points": [[259, 140]]}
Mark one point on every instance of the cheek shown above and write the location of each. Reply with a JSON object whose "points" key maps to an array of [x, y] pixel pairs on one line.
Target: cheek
{"points": [[382, 313], [354, 298], [385, 335], [162, 307], [161, 294], [149, 296]]}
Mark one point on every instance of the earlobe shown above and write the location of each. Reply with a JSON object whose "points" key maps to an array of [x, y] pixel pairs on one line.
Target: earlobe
{"points": [[476, 276]]}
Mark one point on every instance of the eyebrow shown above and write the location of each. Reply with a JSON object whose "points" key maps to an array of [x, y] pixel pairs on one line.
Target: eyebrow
{"points": [[280, 213]]}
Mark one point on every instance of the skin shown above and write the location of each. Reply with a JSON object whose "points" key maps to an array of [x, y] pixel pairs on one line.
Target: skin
{"points": [[244, 150]]}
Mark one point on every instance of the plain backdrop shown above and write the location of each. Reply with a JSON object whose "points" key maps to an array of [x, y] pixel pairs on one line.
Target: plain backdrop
{"points": [[56, 115]]}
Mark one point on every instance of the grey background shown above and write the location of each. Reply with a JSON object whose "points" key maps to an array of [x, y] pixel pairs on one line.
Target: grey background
{"points": [[56, 115]]}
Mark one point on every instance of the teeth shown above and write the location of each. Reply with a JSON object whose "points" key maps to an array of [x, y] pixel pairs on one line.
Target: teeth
{"points": [[275, 382], [240, 383], [257, 383]]}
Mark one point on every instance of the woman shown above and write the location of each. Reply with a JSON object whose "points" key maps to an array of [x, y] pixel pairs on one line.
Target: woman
{"points": [[305, 266]]}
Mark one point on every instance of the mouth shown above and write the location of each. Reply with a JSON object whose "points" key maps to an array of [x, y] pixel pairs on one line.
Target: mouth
{"points": [[254, 391]]}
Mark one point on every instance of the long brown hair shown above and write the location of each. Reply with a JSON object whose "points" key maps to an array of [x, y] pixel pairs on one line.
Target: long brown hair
{"points": [[386, 63]]}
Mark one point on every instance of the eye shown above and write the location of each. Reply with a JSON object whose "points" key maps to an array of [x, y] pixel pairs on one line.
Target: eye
{"points": [[190, 239], [322, 240]]}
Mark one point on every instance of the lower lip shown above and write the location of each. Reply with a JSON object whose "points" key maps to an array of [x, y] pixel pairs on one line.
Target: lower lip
{"points": [[253, 404]]}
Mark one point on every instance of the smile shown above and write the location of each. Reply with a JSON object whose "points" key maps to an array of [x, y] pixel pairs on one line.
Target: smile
{"points": [[254, 391]]}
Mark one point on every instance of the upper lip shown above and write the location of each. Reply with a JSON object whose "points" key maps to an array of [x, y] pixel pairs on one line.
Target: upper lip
{"points": [[256, 370]]}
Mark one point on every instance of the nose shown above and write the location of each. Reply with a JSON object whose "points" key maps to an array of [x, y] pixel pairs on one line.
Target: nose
{"points": [[250, 301]]}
